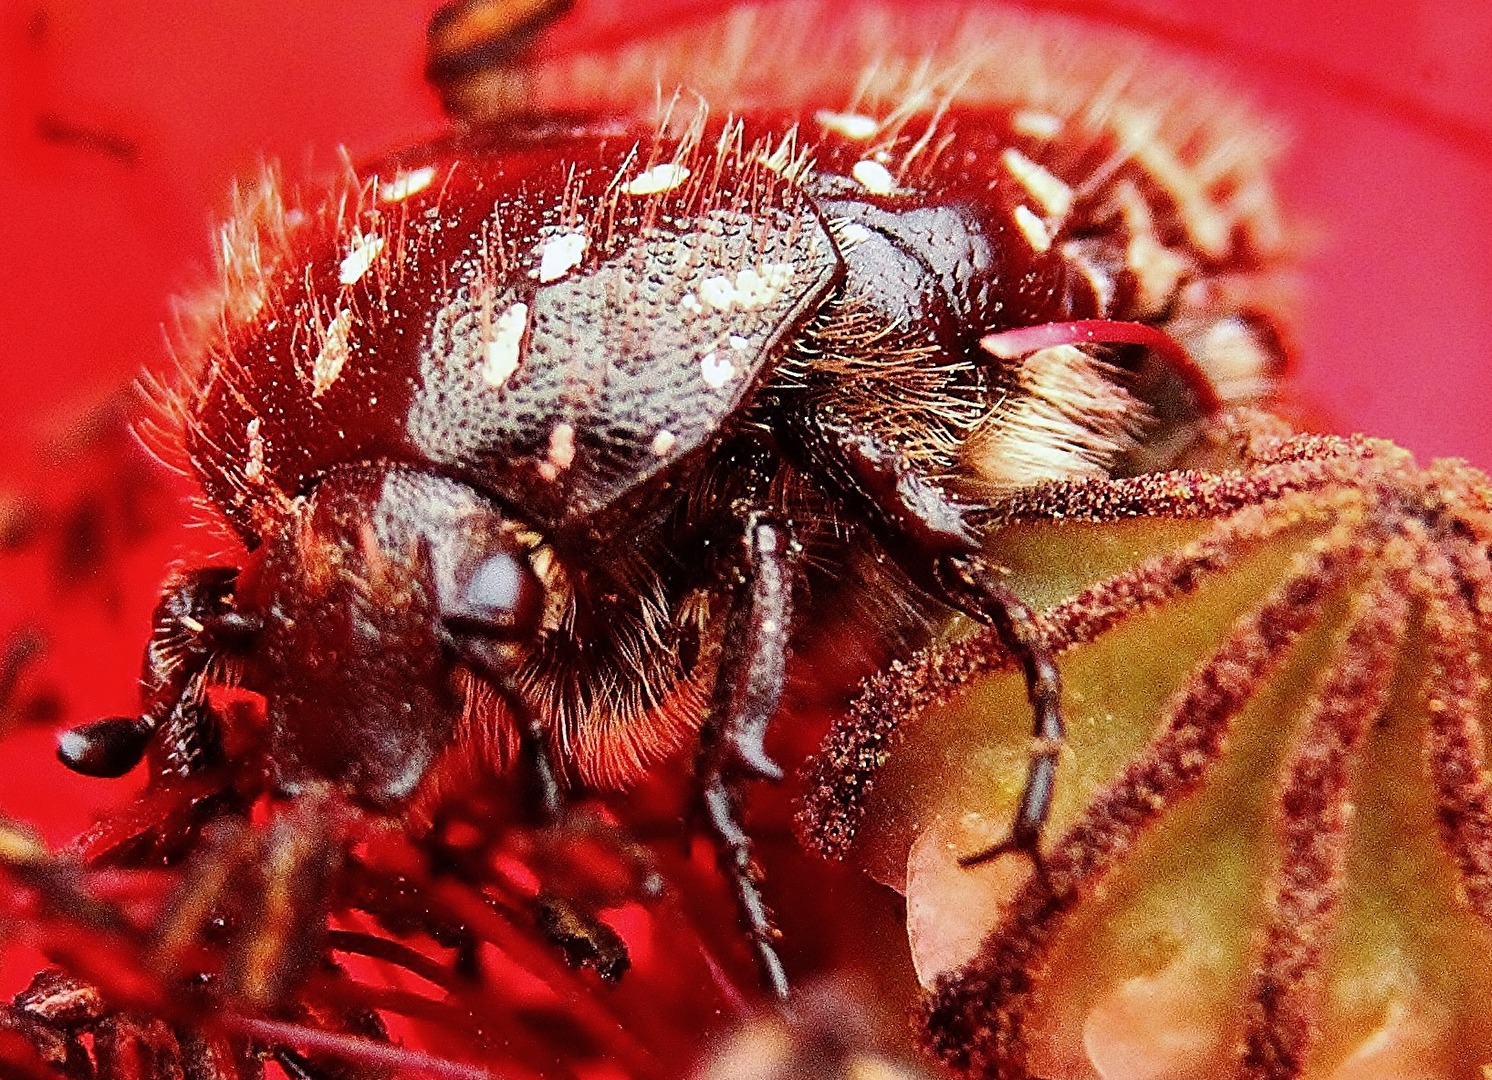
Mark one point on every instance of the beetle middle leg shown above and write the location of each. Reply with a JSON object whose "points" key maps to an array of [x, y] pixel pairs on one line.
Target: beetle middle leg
{"points": [[748, 687], [930, 537]]}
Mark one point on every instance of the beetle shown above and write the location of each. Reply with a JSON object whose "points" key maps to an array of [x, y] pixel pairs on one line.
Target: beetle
{"points": [[548, 428]]}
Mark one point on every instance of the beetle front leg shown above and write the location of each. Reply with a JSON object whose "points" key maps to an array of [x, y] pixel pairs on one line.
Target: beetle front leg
{"points": [[929, 536], [748, 688]]}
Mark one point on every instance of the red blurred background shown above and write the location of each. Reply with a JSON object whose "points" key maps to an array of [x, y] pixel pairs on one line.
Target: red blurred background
{"points": [[123, 127]]}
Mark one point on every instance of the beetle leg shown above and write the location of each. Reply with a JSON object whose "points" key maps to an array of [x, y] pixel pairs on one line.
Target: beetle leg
{"points": [[747, 689], [973, 586], [193, 623], [546, 797], [931, 539]]}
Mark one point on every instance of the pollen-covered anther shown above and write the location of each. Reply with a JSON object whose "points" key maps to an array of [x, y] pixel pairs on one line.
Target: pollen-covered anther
{"points": [[657, 180]]}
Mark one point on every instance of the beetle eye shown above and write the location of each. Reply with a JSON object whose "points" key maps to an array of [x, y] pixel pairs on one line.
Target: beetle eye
{"points": [[498, 597]]}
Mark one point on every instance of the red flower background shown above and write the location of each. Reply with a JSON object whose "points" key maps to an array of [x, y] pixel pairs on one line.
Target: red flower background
{"points": [[123, 126]]}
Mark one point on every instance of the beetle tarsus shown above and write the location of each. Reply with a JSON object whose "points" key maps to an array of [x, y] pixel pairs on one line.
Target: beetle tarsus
{"points": [[734, 848], [928, 533], [1025, 844], [974, 587]]}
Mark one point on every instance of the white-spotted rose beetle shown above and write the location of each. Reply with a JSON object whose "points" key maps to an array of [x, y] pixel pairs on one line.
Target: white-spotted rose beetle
{"points": [[546, 430], [523, 429]]}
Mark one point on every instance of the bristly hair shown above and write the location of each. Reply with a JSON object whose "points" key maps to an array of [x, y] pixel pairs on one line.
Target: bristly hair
{"points": [[251, 245], [1206, 144], [1069, 416]]}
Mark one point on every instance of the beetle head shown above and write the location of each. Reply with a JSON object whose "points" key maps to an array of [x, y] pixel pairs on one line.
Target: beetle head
{"points": [[384, 582]]}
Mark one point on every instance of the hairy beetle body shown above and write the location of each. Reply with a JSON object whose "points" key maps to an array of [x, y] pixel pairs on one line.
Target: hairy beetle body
{"points": [[602, 331], [542, 439]]}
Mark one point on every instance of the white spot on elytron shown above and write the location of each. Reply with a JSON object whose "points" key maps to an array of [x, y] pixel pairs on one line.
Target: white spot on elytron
{"points": [[561, 254], [852, 233], [1038, 125], [253, 470], [716, 371], [1053, 194], [690, 303], [874, 177], [561, 447], [333, 354], [748, 290], [658, 179], [1033, 229], [718, 292], [501, 355], [406, 184], [663, 442], [362, 254], [855, 126], [737, 342]]}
